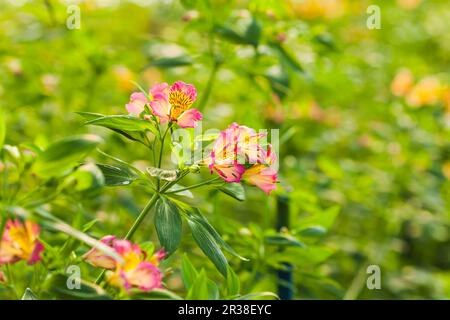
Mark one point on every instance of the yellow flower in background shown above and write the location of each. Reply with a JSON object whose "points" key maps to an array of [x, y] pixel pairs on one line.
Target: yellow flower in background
{"points": [[427, 92], [20, 242], [446, 169], [124, 77], [409, 4], [314, 9], [402, 83]]}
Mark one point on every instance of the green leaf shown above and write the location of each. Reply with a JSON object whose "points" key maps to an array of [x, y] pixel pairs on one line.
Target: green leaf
{"points": [[185, 193], [57, 286], [312, 232], [253, 33], [166, 63], [188, 272], [117, 175], [130, 127], [208, 245], [283, 240], [199, 289], [29, 295], [286, 58], [64, 154], [230, 35], [168, 224], [258, 295], [233, 284], [196, 215], [155, 294], [213, 290], [234, 190]]}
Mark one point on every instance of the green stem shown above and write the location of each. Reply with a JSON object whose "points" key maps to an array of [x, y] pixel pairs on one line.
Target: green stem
{"points": [[158, 183], [141, 216], [134, 227], [196, 185]]}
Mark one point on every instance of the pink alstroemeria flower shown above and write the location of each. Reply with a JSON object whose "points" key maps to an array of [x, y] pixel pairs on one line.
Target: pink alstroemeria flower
{"points": [[174, 104], [20, 242], [236, 146], [134, 271], [138, 100]]}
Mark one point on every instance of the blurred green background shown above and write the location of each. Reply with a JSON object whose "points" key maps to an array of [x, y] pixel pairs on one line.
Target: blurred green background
{"points": [[364, 151]]}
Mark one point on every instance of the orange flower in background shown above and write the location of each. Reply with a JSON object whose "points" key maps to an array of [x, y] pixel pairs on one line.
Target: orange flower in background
{"points": [[123, 77], [20, 242], [402, 83], [427, 92], [409, 4], [314, 9], [446, 169]]}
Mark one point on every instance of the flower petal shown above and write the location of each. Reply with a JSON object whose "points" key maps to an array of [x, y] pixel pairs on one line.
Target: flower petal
{"points": [[230, 172], [137, 103], [189, 118], [261, 176], [161, 109], [188, 89]]}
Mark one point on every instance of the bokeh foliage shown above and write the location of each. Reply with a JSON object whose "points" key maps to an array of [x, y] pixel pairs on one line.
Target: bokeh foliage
{"points": [[367, 175]]}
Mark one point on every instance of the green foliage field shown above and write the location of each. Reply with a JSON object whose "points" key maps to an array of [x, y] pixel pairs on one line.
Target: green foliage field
{"points": [[364, 145]]}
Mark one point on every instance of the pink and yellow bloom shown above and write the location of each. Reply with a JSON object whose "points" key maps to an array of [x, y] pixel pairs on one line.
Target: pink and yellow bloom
{"points": [[168, 103], [20, 242], [135, 271], [238, 154], [174, 104]]}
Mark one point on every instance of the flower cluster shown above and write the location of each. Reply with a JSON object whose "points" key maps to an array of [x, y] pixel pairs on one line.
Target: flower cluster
{"points": [[168, 103], [136, 270], [20, 242], [427, 91], [238, 154]]}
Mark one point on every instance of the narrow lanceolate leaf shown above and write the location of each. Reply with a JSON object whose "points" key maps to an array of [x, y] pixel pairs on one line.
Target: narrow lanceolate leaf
{"points": [[64, 154], [166, 63], [117, 175], [130, 127], [168, 224], [188, 272], [258, 295], [234, 190], [284, 240], [209, 246], [196, 215], [162, 174]]}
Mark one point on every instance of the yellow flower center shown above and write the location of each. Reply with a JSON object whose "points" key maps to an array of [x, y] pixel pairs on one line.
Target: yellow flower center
{"points": [[179, 102]]}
